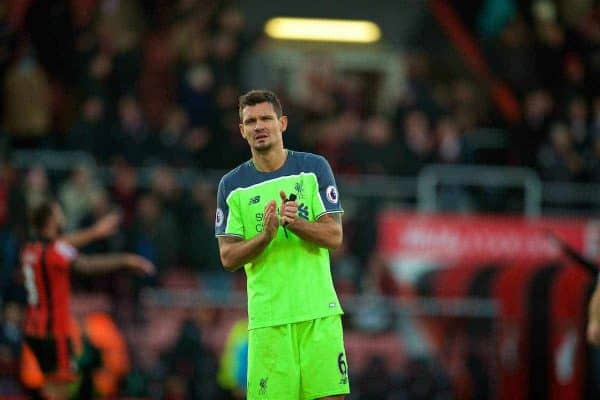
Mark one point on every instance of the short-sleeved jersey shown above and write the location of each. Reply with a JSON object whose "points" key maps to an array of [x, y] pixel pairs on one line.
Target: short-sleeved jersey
{"points": [[290, 281], [45, 267]]}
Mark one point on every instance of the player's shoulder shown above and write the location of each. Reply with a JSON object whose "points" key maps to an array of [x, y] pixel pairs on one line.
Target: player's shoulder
{"points": [[235, 177], [63, 249], [310, 160]]}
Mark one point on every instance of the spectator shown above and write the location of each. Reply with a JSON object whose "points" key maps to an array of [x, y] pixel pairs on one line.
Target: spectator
{"points": [[375, 151], [574, 83], [7, 185], [531, 133], [190, 366], [10, 347], [233, 364], [512, 56], [346, 271], [451, 147], [550, 47], [199, 143], [125, 190], [200, 250], [157, 84], [224, 60], [593, 161], [168, 189], [375, 382], [559, 160], [155, 233], [27, 109], [171, 139], [131, 138], [89, 129], [577, 114], [426, 380], [418, 145], [36, 188], [595, 118], [75, 195], [9, 224], [100, 207], [418, 91], [196, 93], [96, 78]]}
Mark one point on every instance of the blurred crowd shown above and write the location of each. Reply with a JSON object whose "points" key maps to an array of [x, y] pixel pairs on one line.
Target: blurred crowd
{"points": [[155, 83], [149, 81]]}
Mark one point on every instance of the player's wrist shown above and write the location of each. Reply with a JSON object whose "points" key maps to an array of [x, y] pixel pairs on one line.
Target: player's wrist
{"points": [[267, 235], [95, 231], [293, 223], [130, 260]]}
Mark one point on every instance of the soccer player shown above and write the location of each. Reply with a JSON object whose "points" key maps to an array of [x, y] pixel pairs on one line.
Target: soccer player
{"points": [[593, 322], [278, 215], [46, 263]]}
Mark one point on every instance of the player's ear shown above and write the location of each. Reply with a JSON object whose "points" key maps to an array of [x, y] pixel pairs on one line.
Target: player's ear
{"points": [[242, 130], [283, 121]]}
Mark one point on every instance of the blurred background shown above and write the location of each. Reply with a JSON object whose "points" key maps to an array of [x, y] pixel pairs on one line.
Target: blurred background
{"points": [[459, 133]]}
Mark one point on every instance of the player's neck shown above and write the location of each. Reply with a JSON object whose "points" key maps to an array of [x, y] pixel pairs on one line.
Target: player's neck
{"points": [[269, 161], [49, 234]]}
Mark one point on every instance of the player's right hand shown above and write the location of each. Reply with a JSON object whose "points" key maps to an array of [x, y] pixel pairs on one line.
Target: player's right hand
{"points": [[270, 221]]}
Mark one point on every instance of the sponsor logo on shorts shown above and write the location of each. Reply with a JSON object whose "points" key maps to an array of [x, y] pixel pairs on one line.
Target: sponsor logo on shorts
{"points": [[343, 367], [262, 386]]}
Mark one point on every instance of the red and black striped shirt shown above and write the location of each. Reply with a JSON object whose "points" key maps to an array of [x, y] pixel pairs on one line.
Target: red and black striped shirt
{"points": [[46, 271]]}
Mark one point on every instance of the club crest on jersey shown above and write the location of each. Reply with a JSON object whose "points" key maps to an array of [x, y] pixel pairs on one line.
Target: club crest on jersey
{"points": [[331, 194], [219, 217], [299, 188]]}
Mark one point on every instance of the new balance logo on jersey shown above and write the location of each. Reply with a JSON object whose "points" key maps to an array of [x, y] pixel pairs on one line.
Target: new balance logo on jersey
{"points": [[303, 211], [254, 200]]}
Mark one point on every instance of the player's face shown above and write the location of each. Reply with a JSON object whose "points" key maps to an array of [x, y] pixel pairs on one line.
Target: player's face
{"points": [[261, 128], [60, 218]]}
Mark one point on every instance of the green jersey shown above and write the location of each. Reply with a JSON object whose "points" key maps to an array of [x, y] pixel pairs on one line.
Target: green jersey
{"points": [[290, 281]]}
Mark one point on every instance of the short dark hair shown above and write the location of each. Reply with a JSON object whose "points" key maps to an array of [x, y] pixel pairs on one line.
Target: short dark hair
{"points": [[41, 214], [258, 96]]}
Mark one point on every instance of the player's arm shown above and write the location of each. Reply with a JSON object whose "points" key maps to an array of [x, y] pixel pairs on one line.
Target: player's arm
{"points": [[593, 327], [105, 227], [235, 251], [587, 264], [104, 263], [326, 231]]}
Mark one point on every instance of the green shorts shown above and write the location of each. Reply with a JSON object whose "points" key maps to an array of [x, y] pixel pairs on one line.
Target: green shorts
{"points": [[303, 360]]}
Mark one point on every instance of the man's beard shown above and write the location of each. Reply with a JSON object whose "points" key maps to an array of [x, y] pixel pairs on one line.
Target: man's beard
{"points": [[263, 148]]}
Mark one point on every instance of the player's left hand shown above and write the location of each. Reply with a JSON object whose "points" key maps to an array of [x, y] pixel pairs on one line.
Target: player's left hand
{"points": [[140, 264], [288, 211], [108, 224]]}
